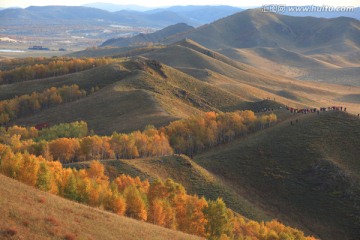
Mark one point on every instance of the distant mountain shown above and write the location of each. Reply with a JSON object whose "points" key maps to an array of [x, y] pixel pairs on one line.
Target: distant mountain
{"points": [[55, 13], [254, 28], [67, 15], [61, 12], [17, 13], [157, 20], [117, 7], [119, 14], [201, 14], [143, 39]]}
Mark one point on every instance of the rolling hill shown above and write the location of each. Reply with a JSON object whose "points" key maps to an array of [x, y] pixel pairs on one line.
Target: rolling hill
{"points": [[301, 174], [157, 92], [141, 92], [30, 213]]}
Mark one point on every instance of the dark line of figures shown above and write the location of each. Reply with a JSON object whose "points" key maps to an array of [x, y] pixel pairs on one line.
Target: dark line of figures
{"points": [[315, 110]]}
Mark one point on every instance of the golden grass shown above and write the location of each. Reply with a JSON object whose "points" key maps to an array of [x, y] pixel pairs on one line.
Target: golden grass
{"points": [[106, 111], [27, 213]]}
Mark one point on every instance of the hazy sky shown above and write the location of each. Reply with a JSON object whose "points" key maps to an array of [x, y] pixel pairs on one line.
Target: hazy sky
{"points": [[157, 3]]}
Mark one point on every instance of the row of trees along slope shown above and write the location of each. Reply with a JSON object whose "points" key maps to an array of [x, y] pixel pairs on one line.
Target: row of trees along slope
{"points": [[29, 69], [73, 142], [27, 104]]}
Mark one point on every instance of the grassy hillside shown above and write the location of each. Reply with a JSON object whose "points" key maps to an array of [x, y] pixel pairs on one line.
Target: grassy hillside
{"points": [[28, 213], [306, 175], [106, 111], [141, 92]]}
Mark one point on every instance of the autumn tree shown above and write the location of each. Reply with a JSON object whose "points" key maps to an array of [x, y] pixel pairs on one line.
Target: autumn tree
{"points": [[217, 218], [136, 205], [70, 186], [159, 212], [64, 149], [43, 181], [28, 170], [114, 202], [96, 171]]}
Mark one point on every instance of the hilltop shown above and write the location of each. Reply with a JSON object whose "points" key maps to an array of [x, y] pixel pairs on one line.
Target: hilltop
{"points": [[30, 213]]}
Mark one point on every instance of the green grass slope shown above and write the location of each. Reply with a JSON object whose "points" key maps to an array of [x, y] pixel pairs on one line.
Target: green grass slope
{"points": [[27, 213], [306, 175]]}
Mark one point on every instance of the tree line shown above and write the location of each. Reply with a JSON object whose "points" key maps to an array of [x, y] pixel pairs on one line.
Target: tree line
{"points": [[55, 67], [72, 142], [162, 203], [29, 104], [198, 133]]}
